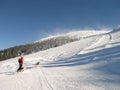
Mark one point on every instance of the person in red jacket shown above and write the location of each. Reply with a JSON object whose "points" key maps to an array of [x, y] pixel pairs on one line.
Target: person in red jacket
{"points": [[20, 61]]}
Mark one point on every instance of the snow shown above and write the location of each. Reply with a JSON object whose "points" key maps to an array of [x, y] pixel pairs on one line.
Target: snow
{"points": [[77, 34], [91, 63]]}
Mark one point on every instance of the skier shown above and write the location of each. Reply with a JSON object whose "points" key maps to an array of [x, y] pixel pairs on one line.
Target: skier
{"points": [[20, 61]]}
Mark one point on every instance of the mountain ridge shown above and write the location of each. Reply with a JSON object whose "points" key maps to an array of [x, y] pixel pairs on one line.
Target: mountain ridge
{"points": [[47, 43]]}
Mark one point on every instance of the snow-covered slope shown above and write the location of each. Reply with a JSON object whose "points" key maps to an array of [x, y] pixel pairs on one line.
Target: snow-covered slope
{"points": [[76, 34], [92, 63]]}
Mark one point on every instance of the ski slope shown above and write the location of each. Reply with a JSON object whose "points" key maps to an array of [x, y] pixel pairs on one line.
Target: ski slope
{"points": [[92, 63]]}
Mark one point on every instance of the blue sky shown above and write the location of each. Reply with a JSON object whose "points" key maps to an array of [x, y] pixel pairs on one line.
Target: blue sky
{"points": [[25, 21]]}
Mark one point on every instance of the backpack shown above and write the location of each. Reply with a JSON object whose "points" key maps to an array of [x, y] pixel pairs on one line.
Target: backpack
{"points": [[19, 60]]}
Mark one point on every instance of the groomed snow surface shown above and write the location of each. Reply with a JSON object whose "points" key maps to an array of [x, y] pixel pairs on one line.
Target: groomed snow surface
{"points": [[92, 63]]}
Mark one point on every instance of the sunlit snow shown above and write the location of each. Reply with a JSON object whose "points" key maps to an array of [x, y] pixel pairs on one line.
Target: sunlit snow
{"points": [[91, 63]]}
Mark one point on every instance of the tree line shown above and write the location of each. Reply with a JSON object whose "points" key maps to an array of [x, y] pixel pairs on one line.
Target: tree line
{"points": [[35, 47]]}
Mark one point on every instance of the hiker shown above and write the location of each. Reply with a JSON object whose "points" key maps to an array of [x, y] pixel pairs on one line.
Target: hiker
{"points": [[20, 61]]}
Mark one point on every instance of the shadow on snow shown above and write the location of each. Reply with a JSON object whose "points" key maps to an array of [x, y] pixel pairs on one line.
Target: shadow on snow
{"points": [[111, 57]]}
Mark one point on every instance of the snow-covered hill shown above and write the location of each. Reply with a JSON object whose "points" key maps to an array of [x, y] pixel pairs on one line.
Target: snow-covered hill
{"points": [[92, 63], [76, 34]]}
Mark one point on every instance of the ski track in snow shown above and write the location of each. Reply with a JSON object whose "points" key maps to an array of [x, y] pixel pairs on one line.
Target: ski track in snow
{"points": [[88, 64], [97, 44], [45, 83]]}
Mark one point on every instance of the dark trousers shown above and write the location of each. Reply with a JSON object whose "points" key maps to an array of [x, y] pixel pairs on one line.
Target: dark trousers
{"points": [[20, 66]]}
